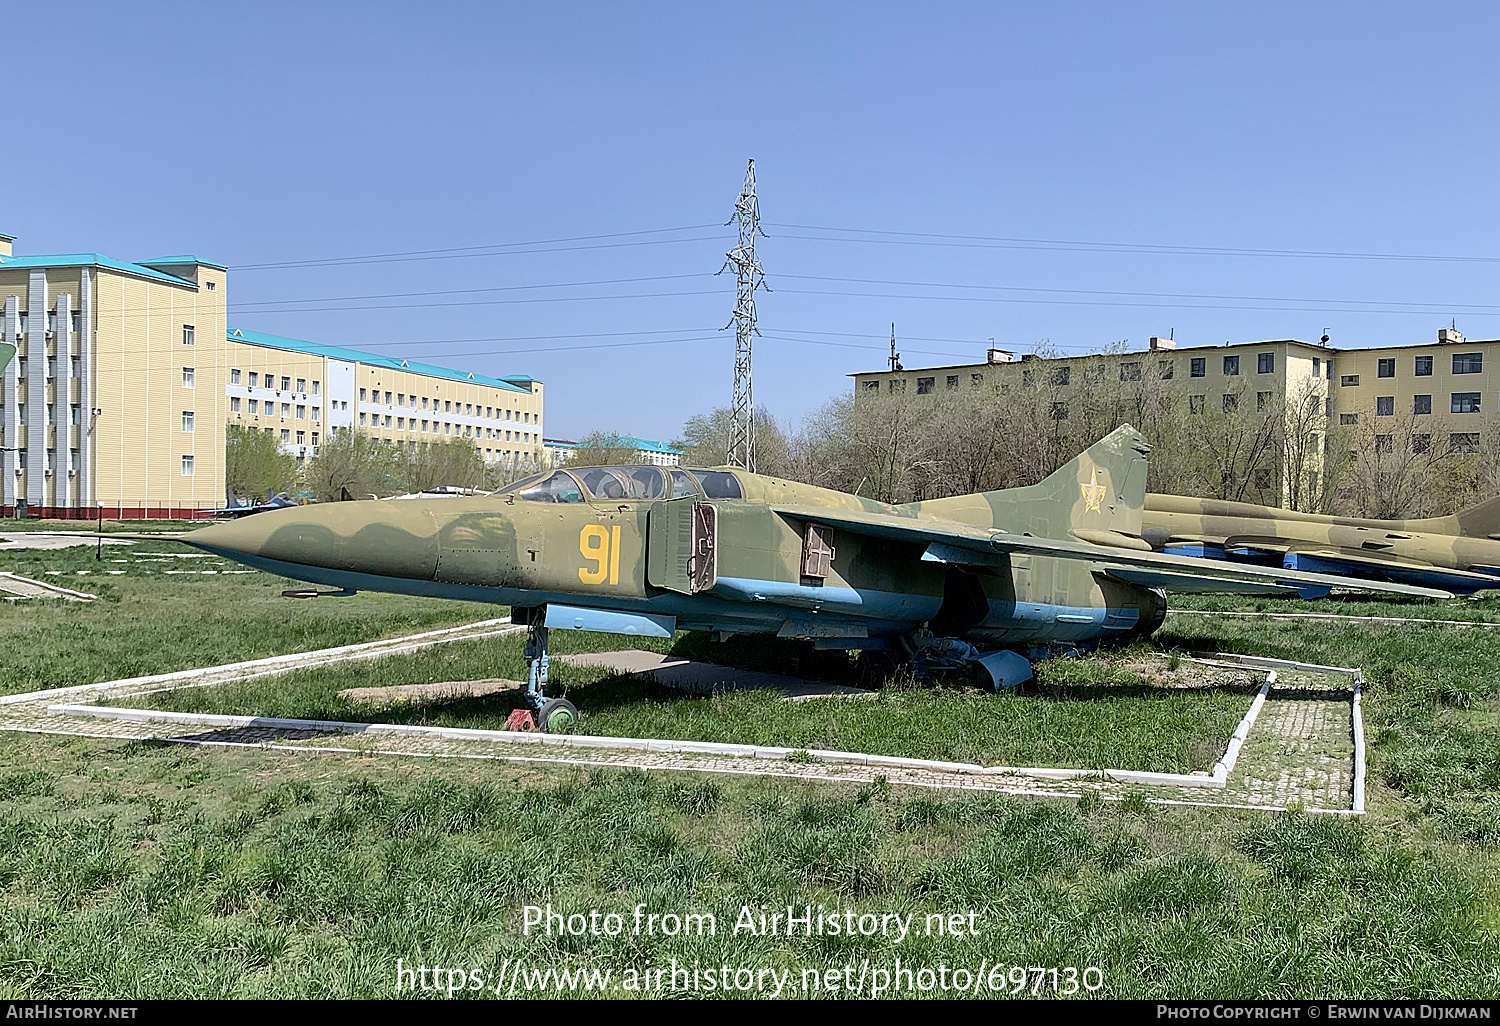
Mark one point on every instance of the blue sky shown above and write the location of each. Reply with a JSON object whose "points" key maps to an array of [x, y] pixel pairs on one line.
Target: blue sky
{"points": [[269, 133]]}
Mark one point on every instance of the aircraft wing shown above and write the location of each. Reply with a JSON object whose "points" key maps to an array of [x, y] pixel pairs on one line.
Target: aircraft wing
{"points": [[951, 542]]}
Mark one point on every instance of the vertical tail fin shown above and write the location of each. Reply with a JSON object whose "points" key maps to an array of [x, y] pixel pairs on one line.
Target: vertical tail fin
{"points": [[1104, 488], [1480, 521], [1098, 496]]}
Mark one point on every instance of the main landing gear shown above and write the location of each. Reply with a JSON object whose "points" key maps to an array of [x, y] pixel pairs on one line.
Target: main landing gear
{"points": [[553, 715]]}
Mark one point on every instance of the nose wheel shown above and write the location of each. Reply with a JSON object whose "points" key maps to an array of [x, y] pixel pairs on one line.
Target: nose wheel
{"points": [[553, 715]]}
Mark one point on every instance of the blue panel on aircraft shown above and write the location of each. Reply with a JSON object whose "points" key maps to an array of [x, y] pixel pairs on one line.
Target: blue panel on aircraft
{"points": [[610, 621]]}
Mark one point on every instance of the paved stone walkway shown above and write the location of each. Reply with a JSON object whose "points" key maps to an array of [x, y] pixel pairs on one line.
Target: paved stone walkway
{"points": [[1298, 752]]}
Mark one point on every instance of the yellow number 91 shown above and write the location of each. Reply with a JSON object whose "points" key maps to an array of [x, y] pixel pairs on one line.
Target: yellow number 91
{"points": [[602, 548]]}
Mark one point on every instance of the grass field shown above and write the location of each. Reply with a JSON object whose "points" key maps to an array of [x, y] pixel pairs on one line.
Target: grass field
{"points": [[157, 871]]}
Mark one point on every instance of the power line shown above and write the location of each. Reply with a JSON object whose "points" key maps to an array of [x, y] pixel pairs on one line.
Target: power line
{"points": [[491, 302], [1428, 312], [461, 292], [1457, 307], [1002, 242], [490, 249]]}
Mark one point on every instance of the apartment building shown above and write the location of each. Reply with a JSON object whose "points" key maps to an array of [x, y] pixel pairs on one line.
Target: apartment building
{"points": [[110, 401], [126, 373], [298, 391], [1406, 398]]}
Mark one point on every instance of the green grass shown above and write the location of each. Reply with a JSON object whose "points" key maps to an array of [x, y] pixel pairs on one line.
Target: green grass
{"points": [[138, 870], [141, 871], [149, 621]]}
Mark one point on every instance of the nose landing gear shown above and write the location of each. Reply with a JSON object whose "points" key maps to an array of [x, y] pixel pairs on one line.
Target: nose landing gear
{"points": [[553, 715]]}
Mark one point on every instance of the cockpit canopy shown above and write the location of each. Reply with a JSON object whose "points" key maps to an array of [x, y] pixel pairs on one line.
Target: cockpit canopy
{"points": [[603, 484]]}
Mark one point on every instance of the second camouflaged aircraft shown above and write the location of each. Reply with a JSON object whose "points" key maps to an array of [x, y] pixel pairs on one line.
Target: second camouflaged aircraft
{"points": [[964, 581], [1459, 552]]}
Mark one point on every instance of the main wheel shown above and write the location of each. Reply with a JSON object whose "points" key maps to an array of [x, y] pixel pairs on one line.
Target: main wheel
{"points": [[557, 716]]}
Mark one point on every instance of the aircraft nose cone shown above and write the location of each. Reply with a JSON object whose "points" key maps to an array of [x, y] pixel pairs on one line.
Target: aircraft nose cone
{"points": [[391, 539]]}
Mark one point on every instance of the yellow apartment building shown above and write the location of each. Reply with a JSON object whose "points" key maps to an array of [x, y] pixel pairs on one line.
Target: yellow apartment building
{"points": [[110, 400], [125, 375], [299, 390], [1406, 398]]}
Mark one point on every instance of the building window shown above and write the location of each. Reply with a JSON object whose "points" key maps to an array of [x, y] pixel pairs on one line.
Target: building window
{"points": [[1421, 404], [448, 403], [976, 380], [1421, 443], [286, 411], [1423, 367], [187, 421], [187, 334], [1195, 403], [211, 285], [1345, 419], [1465, 402], [1198, 368], [234, 376], [187, 466], [362, 420], [1231, 402], [924, 385], [400, 423], [301, 437], [1231, 365], [302, 384], [254, 379], [1060, 375], [1385, 368], [1463, 442], [387, 420], [870, 386], [254, 406], [1385, 406], [1262, 400], [1468, 363], [188, 377], [896, 385], [286, 383], [314, 438], [388, 398], [1329, 368], [1317, 367], [1383, 444], [952, 381], [301, 412], [1130, 372], [234, 404], [1165, 369], [315, 392], [1265, 363], [1059, 411], [1328, 407], [361, 395], [1348, 380], [315, 413], [286, 435]]}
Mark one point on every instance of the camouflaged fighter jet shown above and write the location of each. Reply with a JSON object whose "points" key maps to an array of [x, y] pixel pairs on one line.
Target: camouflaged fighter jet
{"points": [[955, 583], [1459, 552]]}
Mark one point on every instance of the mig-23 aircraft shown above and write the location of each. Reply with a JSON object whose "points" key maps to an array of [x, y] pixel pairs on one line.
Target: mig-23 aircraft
{"points": [[966, 582], [1459, 552]]}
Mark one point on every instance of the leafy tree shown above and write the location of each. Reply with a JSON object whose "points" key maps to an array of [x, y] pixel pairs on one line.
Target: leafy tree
{"points": [[254, 465], [351, 464], [602, 449], [705, 441], [453, 462]]}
